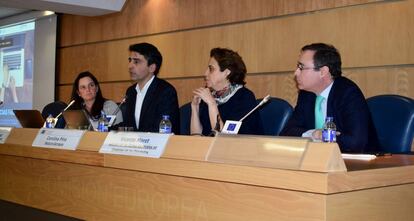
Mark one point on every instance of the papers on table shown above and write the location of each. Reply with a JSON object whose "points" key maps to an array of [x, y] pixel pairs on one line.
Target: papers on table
{"points": [[358, 156]]}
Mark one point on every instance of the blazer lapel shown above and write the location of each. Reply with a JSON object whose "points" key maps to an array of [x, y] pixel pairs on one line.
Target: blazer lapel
{"points": [[331, 98], [131, 102]]}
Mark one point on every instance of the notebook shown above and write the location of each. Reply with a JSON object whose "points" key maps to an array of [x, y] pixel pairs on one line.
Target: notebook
{"points": [[29, 118], [76, 119]]}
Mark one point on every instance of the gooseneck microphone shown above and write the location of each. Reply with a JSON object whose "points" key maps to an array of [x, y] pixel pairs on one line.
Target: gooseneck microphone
{"points": [[265, 99], [233, 127], [70, 104], [120, 104]]}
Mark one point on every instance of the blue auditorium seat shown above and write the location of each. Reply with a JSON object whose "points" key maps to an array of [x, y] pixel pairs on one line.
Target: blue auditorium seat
{"points": [[185, 118], [393, 117], [274, 114]]}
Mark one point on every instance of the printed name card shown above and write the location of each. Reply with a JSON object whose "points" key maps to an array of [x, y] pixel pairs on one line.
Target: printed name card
{"points": [[58, 138], [4, 133], [231, 127], [135, 144]]}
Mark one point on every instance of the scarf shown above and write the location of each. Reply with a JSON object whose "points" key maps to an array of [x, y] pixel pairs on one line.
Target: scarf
{"points": [[222, 96]]}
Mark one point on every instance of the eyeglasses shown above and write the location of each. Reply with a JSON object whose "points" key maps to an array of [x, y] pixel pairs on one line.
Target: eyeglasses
{"points": [[302, 68]]}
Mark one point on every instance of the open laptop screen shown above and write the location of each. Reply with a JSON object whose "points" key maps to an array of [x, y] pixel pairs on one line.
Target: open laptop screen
{"points": [[76, 119], [29, 118]]}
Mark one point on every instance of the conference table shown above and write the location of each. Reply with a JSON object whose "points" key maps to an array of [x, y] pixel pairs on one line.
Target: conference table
{"points": [[183, 184]]}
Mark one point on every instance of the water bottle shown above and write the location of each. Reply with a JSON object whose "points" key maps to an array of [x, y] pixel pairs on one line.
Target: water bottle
{"points": [[103, 123], [329, 131], [165, 125], [50, 121]]}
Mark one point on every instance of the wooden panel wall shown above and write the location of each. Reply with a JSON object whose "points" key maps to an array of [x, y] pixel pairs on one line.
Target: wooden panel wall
{"points": [[143, 17], [374, 37]]}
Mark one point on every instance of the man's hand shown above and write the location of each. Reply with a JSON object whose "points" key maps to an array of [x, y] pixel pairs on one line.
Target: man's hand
{"points": [[317, 134]]}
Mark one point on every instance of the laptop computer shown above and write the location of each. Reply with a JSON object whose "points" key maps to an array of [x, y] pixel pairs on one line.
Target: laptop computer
{"points": [[76, 119], [29, 118]]}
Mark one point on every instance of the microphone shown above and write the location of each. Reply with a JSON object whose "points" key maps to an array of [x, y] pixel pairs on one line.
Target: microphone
{"points": [[55, 119], [70, 104], [265, 99], [120, 104], [232, 127]]}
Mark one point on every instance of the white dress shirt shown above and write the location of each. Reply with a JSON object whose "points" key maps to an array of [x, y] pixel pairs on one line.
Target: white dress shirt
{"points": [[140, 99]]}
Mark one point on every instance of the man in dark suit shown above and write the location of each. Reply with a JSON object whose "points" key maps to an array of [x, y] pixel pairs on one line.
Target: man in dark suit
{"points": [[150, 97], [325, 93]]}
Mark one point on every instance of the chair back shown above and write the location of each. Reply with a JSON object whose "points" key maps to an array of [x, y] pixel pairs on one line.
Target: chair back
{"points": [[274, 115], [185, 118], [393, 117]]}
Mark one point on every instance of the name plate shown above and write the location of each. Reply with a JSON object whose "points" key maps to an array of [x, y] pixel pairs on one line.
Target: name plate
{"points": [[231, 127], [4, 133], [58, 138], [135, 144]]}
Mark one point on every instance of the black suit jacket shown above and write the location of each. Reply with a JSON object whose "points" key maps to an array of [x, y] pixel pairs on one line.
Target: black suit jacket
{"points": [[160, 99], [347, 105]]}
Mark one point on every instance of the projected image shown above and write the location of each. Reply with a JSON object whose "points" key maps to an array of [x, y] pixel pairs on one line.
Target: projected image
{"points": [[16, 70]]}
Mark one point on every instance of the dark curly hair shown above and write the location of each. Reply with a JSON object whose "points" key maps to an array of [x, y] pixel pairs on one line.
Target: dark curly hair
{"points": [[229, 59]]}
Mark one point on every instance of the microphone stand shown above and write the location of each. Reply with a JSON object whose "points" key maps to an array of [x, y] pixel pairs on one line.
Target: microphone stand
{"points": [[120, 104], [265, 99], [57, 117], [217, 127]]}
